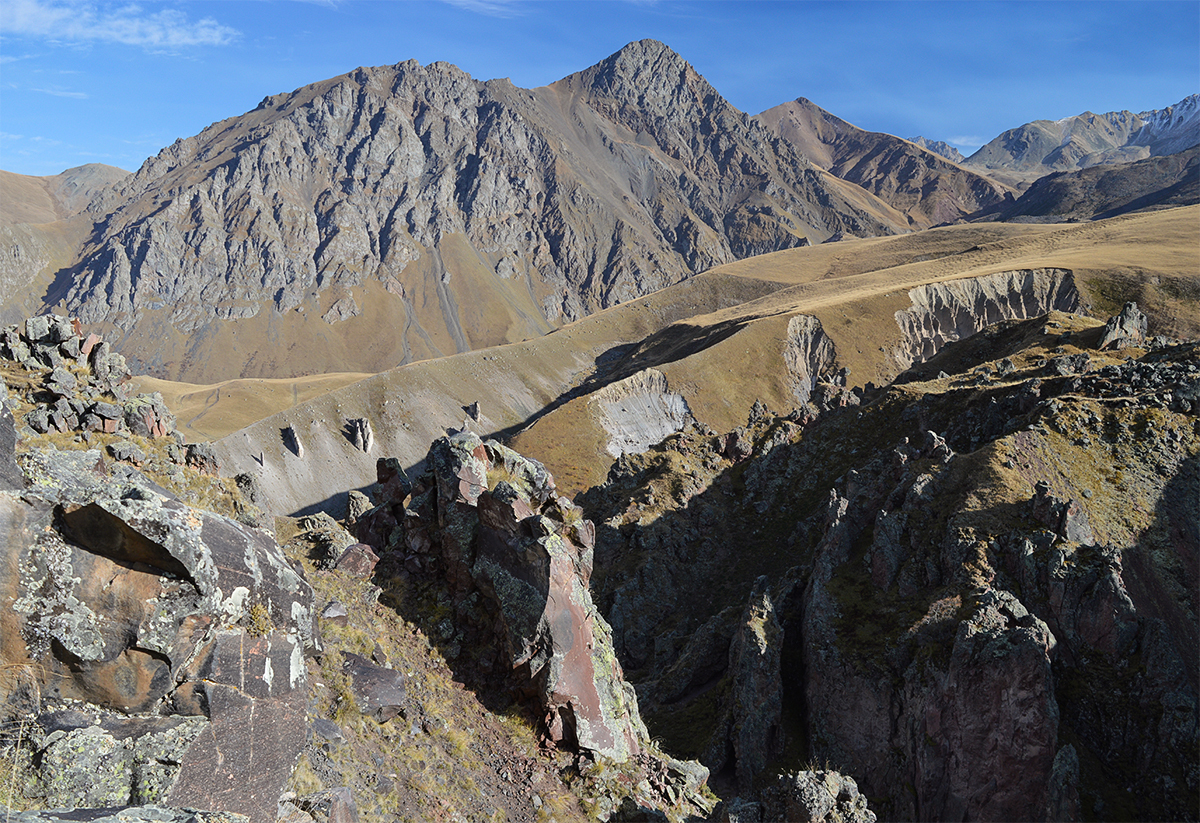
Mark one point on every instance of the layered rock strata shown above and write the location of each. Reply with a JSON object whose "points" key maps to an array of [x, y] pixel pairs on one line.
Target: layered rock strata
{"points": [[517, 559], [159, 649]]}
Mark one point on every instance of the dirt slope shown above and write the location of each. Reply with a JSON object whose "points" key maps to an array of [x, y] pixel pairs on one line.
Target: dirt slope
{"points": [[719, 340]]}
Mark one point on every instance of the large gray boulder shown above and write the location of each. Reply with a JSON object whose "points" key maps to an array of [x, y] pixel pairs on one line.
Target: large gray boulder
{"points": [[181, 633]]}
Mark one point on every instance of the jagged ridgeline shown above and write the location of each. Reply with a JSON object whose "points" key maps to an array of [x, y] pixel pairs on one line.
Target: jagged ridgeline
{"points": [[456, 214]]}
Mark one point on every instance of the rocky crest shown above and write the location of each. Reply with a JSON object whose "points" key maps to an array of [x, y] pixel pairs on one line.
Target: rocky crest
{"points": [[979, 614], [405, 195]]}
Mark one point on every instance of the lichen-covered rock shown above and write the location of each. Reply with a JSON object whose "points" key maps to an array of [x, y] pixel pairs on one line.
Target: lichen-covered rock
{"points": [[126, 599], [815, 797], [11, 477]]}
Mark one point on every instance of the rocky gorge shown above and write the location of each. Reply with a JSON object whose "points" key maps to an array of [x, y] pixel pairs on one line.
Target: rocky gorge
{"points": [[600, 452], [971, 592]]}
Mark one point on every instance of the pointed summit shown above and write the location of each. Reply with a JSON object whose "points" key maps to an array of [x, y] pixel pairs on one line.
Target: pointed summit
{"points": [[650, 75]]}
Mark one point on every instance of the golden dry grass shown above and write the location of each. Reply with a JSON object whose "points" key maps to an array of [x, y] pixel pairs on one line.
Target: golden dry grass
{"points": [[719, 342]]}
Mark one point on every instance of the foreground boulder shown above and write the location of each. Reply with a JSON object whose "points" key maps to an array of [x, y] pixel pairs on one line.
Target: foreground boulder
{"points": [[158, 650], [489, 523]]}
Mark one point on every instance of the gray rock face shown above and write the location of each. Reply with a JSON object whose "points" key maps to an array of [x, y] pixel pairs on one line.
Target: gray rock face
{"points": [[640, 411], [612, 183], [1125, 329], [809, 355], [954, 310], [191, 625]]}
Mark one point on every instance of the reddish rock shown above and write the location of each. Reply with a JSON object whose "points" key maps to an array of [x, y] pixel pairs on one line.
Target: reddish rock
{"points": [[358, 559]]}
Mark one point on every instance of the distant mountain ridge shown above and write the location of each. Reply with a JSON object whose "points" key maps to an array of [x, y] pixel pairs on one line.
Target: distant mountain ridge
{"points": [[1107, 190], [928, 188], [939, 147], [1025, 153], [460, 213]]}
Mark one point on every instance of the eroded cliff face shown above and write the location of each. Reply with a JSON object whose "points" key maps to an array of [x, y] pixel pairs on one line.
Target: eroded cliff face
{"points": [[984, 583], [462, 213], [639, 411], [944, 312]]}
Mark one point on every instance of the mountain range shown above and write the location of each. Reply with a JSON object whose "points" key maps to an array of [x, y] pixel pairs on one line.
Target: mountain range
{"points": [[466, 214], [601, 452]]}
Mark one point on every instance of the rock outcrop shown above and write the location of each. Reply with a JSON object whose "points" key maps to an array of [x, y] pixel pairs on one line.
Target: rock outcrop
{"points": [[983, 582], [517, 560], [163, 646], [945, 312], [639, 411]]}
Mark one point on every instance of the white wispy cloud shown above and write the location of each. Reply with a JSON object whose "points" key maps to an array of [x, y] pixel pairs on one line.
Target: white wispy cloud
{"points": [[966, 140], [78, 95], [130, 24], [492, 8]]}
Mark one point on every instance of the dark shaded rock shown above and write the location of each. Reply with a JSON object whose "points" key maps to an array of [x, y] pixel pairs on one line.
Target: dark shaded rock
{"points": [[129, 814], [757, 698], [1125, 329], [203, 458], [815, 797], [630, 811], [379, 692], [1069, 364], [738, 810], [1066, 518], [358, 559], [327, 730], [331, 805]]}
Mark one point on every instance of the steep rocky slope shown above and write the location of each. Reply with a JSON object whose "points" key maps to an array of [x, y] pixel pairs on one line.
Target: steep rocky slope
{"points": [[1107, 190], [924, 185], [1024, 154], [162, 653], [721, 340], [461, 213], [975, 590], [42, 228]]}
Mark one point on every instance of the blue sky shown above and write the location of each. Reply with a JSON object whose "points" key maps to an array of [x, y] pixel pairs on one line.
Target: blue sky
{"points": [[84, 82]]}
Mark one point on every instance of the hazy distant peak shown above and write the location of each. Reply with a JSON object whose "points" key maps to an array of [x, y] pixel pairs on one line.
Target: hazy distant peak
{"points": [[939, 147]]}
